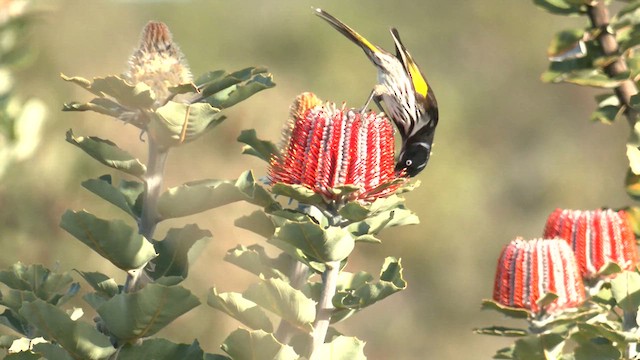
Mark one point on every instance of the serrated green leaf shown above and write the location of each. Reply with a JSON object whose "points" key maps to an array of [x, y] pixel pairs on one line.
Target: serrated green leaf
{"points": [[101, 283], [225, 90], [256, 345], [100, 105], [138, 96], [324, 245], [535, 347], [131, 316], [108, 154], [24, 355], [177, 123], [280, 298], [255, 193], [123, 196], [198, 196], [626, 290], [173, 251], [299, 193], [501, 331], [114, 240], [215, 81], [161, 349], [51, 351], [342, 348], [255, 260], [258, 222], [241, 309], [79, 339], [560, 7], [376, 223], [515, 313], [262, 149]]}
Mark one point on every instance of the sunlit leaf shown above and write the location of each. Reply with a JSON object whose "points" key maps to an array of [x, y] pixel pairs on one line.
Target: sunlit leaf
{"points": [[131, 316], [177, 123], [114, 240], [101, 283], [560, 7], [123, 196], [258, 222], [626, 290], [108, 154], [254, 259], [516, 313], [299, 193], [324, 245], [241, 309], [80, 339], [534, 347], [263, 149], [161, 349], [342, 348], [280, 298], [501, 331], [256, 345], [55, 288], [226, 91], [197, 196]]}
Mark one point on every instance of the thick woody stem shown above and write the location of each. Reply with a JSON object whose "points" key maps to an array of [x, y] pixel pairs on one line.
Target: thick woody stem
{"points": [[599, 16]]}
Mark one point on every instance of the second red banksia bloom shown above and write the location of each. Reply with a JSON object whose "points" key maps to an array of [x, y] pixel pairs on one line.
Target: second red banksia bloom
{"points": [[597, 237], [529, 269], [326, 147]]}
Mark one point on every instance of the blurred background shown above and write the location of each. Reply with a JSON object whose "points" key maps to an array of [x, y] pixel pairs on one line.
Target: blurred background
{"points": [[508, 149]]}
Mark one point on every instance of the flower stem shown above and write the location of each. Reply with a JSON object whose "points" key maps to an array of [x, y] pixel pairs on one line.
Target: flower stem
{"points": [[325, 306], [297, 279], [153, 181]]}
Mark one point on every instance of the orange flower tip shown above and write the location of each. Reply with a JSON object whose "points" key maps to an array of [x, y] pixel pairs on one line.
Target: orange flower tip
{"points": [[597, 238], [527, 270]]}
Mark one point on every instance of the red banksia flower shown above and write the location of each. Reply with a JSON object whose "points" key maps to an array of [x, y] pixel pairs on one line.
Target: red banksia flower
{"points": [[597, 237], [529, 269], [325, 147]]}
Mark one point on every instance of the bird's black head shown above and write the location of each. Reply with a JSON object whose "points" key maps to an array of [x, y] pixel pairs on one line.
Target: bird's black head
{"points": [[414, 158]]}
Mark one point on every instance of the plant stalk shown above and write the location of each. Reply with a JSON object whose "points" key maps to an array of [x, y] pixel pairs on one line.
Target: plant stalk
{"points": [[297, 278], [153, 182], [325, 307], [599, 16]]}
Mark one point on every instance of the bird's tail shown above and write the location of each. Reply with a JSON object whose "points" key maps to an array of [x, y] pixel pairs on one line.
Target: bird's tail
{"points": [[369, 48]]}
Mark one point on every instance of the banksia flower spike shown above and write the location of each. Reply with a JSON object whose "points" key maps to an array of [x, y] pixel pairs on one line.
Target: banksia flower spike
{"points": [[326, 147], [597, 237], [158, 62], [527, 270]]}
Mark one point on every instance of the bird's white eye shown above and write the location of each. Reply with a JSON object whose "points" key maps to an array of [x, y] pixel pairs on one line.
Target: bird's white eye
{"points": [[408, 162]]}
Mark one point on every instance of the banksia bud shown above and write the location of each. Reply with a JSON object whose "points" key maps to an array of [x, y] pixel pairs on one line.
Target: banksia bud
{"points": [[325, 147], [529, 269], [597, 237], [158, 62]]}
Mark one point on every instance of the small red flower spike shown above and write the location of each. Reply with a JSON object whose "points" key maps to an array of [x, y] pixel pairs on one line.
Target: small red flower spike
{"points": [[325, 147], [597, 237], [529, 269]]}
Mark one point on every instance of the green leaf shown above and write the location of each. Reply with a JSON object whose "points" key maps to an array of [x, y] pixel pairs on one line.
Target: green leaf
{"points": [[258, 222], [161, 349], [535, 347], [299, 193], [51, 351], [114, 240], [368, 293], [177, 123], [342, 348], [137, 96], [123, 196], [101, 283], [140, 314], [560, 7], [241, 309], [198, 196], [626, 290], [100, 105], [262, 149], [256, 345], [376, 223], [516, 313], [280, 298], [108, 154], [598, 348], [24, 355], [564, 42], [633, 147], [40, 281], [255, 260], [501, 331], [174, 251], [632, 185], [324, 245], [586, 77], [255, 193], [79, 339], [224, 92]]}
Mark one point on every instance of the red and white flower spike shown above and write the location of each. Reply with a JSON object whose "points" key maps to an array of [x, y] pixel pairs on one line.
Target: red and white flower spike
{"points": [[527, 270], [325, 147], [597, 237]]}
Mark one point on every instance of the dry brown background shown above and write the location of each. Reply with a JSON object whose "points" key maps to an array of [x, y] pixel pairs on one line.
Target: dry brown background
{"points": [[508, 150]]}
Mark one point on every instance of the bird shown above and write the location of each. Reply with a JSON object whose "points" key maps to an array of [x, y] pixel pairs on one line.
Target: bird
{"points": [[409, 100]]}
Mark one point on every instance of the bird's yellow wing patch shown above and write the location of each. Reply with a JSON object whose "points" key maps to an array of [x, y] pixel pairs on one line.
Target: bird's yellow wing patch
{"points": [[419, 83]]}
